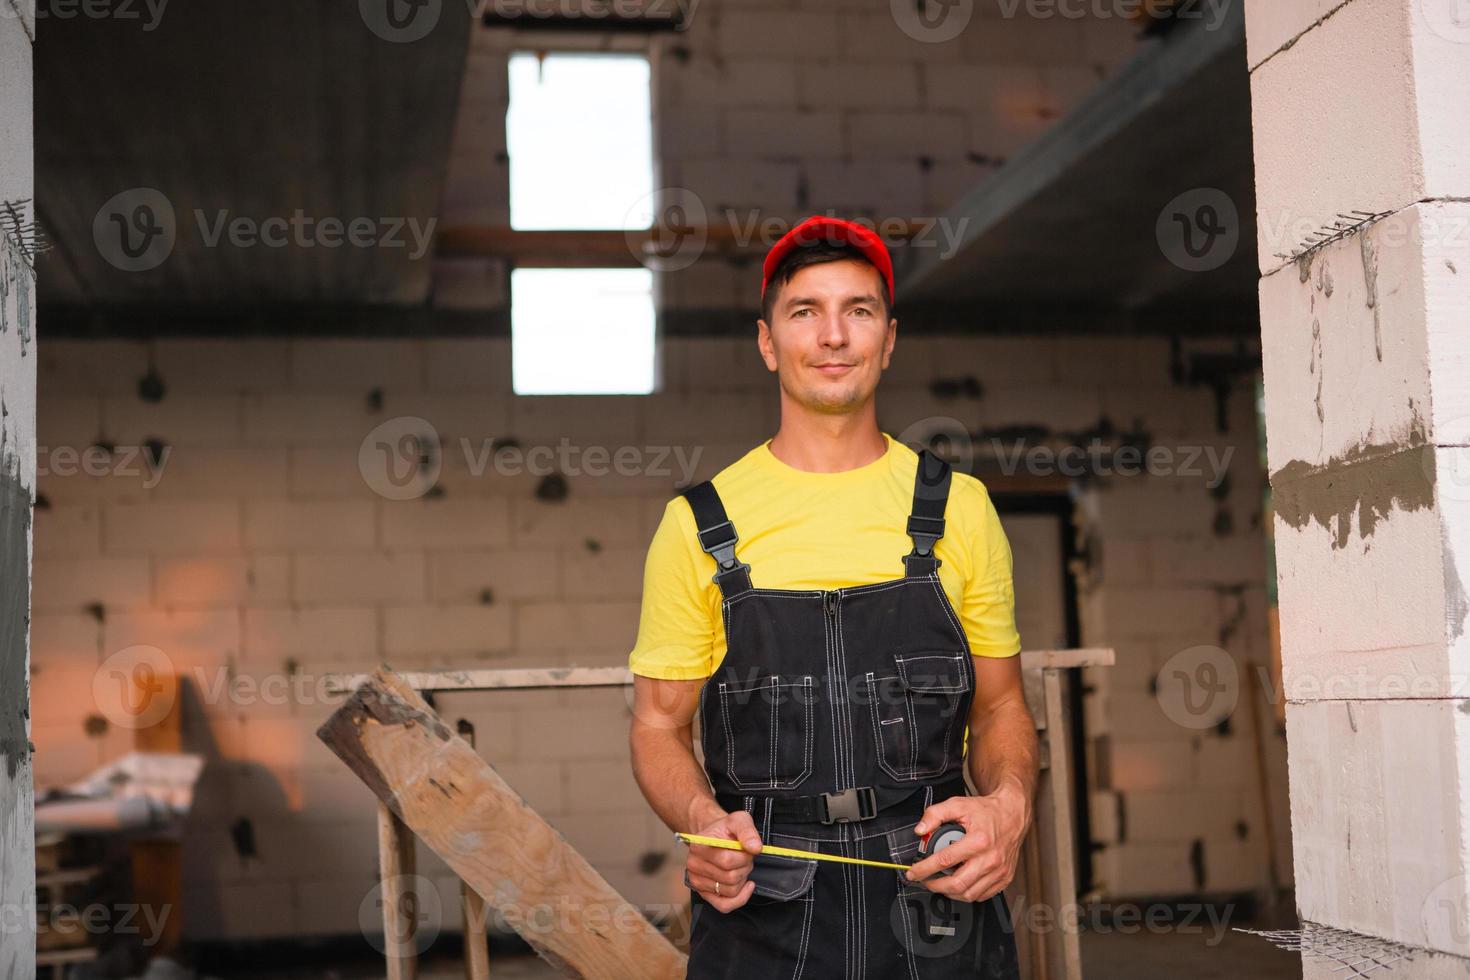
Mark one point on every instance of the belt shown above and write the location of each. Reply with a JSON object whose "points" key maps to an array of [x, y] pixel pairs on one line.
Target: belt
{"points": [[848, 805]]}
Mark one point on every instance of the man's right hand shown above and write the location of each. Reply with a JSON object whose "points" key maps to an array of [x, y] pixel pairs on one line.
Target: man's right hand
{"points": [[707, 865]]}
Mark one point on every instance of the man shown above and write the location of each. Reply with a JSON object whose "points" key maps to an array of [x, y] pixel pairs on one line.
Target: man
{"points": [[839, 656]]}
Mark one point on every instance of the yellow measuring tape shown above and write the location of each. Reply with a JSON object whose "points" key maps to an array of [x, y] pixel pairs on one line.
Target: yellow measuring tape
{"points": [[734, 845]]}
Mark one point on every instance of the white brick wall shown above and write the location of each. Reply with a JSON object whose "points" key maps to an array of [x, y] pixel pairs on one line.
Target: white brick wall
{"points": [[286, 577], [263, 552], [1365, 393]]}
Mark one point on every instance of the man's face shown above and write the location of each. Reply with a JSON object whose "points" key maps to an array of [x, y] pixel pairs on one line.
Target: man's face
{"points": [[828, 339]]}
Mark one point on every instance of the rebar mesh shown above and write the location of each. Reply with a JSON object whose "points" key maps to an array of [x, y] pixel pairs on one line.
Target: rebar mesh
{"points": [[1357, 955], [16, 224]]}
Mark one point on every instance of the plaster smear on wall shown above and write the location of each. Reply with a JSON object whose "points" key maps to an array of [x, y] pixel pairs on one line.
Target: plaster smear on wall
{"points": [[1370, 479]]}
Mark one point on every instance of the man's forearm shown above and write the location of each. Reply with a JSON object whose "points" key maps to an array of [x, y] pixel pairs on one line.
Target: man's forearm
{"points": [[1004, 754], [671, 778]]}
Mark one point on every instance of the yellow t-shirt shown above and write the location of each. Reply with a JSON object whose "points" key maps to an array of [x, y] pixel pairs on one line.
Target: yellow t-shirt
{"points": [[804, 530]]}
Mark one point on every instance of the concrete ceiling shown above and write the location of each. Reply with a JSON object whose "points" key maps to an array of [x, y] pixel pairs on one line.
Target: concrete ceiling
{"points": [[229, 109], [234, 109], [1071, 222]]}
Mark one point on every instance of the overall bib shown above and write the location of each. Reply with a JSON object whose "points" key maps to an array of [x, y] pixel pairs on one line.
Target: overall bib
{"points": [[835, 718]]}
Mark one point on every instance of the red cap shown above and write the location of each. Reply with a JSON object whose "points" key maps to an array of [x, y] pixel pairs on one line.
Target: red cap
{"points": [[818, 228]]}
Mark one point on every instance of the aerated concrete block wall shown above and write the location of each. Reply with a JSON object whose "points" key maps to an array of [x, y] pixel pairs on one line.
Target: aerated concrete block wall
{"points": [[1365, 367], [17, 482], [263, 516], [267, 547]]}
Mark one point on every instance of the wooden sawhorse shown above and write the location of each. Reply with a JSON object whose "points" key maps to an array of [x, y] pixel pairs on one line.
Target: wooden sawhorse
{"points": [[1047, 875]]}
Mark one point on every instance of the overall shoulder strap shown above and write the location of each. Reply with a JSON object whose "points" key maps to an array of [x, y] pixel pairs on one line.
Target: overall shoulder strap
{"points": [[926, 519], [717, 537]]}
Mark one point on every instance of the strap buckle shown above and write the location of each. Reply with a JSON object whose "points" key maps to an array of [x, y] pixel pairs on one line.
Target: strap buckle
{"points": [[857, 803], [722, 549], [926, 532]]}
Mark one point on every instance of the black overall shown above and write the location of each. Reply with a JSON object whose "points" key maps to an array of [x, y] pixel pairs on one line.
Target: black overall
{"points": [[835, 718]]}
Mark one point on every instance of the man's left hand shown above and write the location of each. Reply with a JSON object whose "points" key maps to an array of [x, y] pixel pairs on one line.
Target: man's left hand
{"points": [[984, 860]]}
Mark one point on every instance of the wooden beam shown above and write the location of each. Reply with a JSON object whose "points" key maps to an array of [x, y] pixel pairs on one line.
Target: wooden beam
{"points": [[464, 812], [490, 679], [476, 943], [158, 862], [1062, 659], [396, 868], [533, 677], [1033, 688], [627, 249], [1030, 946], [548, 249], [1054, 822]]}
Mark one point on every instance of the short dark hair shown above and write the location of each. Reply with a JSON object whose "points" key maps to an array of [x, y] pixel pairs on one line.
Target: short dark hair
{"points": [[817, 254]]}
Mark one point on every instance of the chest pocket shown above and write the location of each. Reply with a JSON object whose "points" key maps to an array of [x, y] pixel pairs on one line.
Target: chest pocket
{"points": [[767, 725], [917, 712]]}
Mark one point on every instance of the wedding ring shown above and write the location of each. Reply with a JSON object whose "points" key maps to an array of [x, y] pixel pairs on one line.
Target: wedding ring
{"points": [[717, 888]]}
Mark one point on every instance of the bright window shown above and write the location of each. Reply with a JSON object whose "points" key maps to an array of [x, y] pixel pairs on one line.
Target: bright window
{"points": [[579, 131], [582, 331], [580, 135]]}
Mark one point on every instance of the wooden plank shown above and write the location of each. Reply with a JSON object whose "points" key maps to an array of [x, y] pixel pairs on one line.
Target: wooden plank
{"points": [[489, 679], [397, 862], [1063, 659], [158, 886], [476, 942], [158, 863], [65, 957], [53, 956], [167, 733], [69, 876], [1058, 856], [1032, 687], [492, 679], [1030, 946], [481, 828], [1253, 698], [613, 249]]}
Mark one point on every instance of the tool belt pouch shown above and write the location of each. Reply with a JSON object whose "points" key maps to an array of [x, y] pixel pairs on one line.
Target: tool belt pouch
{"points": [[783, 879], [778, 879]]}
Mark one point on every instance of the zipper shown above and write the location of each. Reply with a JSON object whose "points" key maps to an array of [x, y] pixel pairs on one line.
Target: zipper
{"points": [[830, 598]]}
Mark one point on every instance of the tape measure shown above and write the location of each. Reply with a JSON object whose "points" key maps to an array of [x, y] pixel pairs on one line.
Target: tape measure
{"points": [[734, 845], [938, 839], [930, 844]]}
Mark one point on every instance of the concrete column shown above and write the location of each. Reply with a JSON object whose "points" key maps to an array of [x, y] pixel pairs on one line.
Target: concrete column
{"points": [[1360, 108], [17, 485]]}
